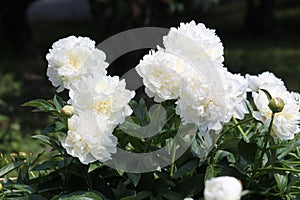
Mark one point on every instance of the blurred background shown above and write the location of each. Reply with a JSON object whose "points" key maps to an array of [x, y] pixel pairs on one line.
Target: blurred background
{"points": [[258, 35]]}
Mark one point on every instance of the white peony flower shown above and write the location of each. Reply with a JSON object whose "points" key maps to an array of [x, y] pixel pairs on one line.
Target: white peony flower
{"points": [[198, 105], [223, 188], [193, 40], [191, 69], [106, 96], [211, 100], [188, 198], [296, 96], [72, 59], [88, 140], [236, 95], [162, 74], [286, 122], [255, 82]]}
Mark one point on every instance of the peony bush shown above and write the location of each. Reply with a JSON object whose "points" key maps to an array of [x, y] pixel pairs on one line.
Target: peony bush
{"points": [[240, 134]]}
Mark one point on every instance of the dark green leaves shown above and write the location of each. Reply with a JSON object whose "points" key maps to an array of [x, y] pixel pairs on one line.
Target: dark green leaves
{"points": [[54, 105], [135, 178], [10, 167], [141, 112], [247, 150], [82, 196]]}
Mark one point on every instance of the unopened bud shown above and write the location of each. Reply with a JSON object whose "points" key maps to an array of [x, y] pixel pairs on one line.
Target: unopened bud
{"points": [[13, 155], [68, 110], [1, 187], [276, 104], [22, 154]]}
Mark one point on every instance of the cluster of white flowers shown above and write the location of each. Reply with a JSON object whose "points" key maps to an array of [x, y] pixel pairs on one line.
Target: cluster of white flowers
{"points": [[100, 102], [190, 69], [223, 188], [286, 122]]}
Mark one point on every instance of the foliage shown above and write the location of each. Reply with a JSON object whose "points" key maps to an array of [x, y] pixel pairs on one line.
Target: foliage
{"points": [[267, 166]]}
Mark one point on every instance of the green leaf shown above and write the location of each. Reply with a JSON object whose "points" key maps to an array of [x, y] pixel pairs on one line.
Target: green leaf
{"points": [[247, 150], [185, 168], [190, 186], [23, 175], [29, 197], [45, 139], [230, 144], [60, 126], [281, 181], [94, 166], [142, 195], [82, 196], [58, 102], [136, 143], [45, 166], [21, 188], [170, 195], [134, 177], [10, 167], [40, 105], [141, 112], [210, 173]]}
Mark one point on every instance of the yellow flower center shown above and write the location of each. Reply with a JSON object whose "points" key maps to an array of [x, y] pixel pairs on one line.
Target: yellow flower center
{"points": [[74, 61], [103, 107]]}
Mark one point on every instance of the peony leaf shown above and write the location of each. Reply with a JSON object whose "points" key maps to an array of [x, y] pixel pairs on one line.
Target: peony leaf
{"points": [[135, 178], [170, 195], [45, 166], [185, 168], [281, 181], [28, 197], [41, 105], [43, 138], [94, 166], [247, 150], [210, 173], [82, 196], [10, 167], [21, 188]]}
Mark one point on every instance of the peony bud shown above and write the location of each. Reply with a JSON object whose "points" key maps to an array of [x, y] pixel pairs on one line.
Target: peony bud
{"points": [[68, 110], [223, 188], [276, 104], [1, 187], [22, 154]]}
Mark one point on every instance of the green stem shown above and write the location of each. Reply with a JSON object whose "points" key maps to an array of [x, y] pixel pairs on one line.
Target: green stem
{"points": [[149, 141], [87, 177], [271, 124], [240, 129], [239, 123], [298, 151], [259, 162], [272, 142], [173, 160]]}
